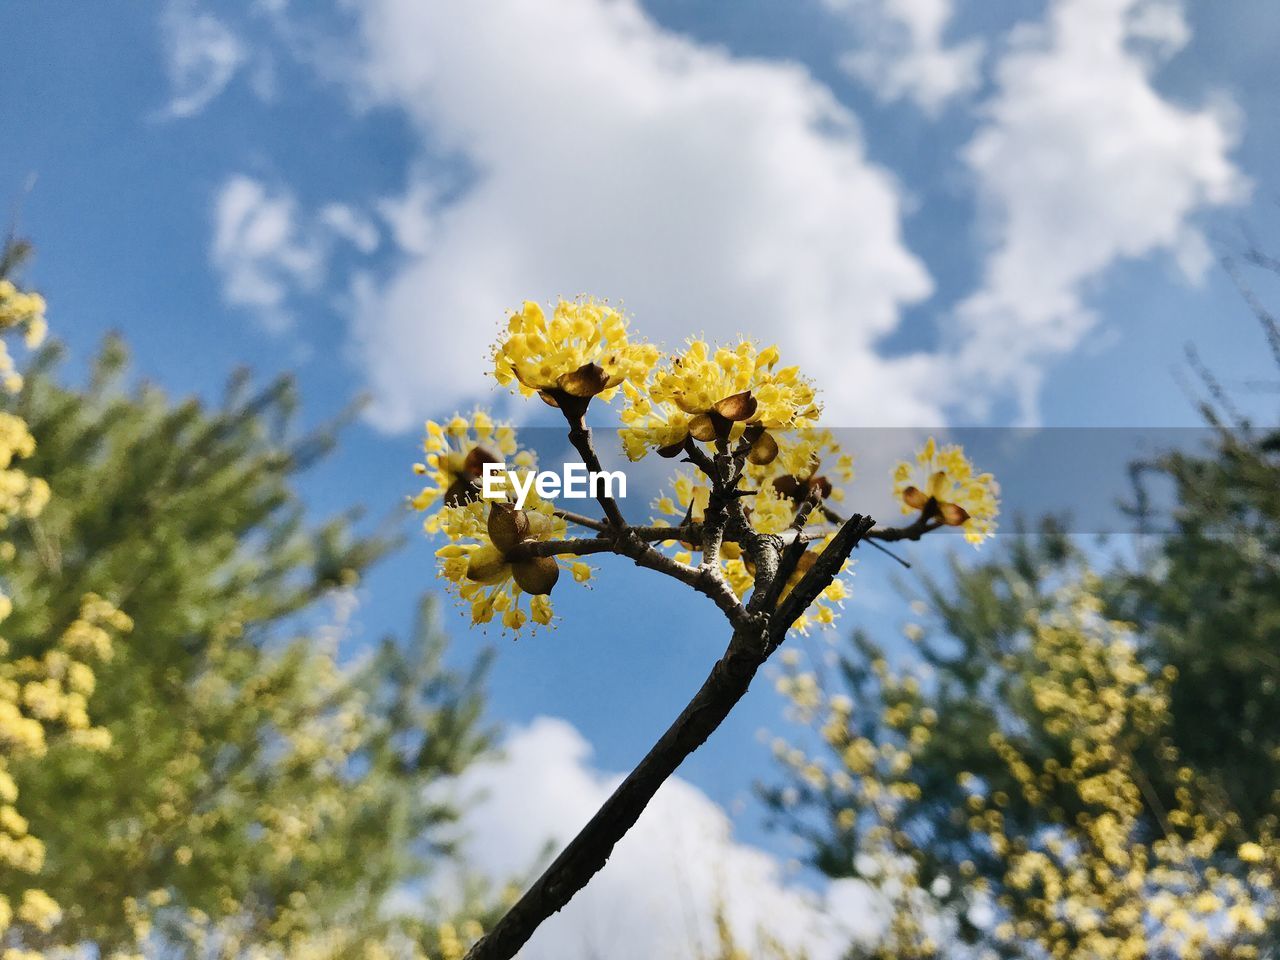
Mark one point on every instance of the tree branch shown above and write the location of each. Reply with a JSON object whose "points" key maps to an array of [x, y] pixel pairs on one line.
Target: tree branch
{"points": [[916, 529], [824, 570], [580, 437], [583, 521], [562, 548], [705, 580], [748, 648]]}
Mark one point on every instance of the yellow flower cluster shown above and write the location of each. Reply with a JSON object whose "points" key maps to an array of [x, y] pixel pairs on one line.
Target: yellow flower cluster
{"points": [[487, 560], [1099, 883], [24, 311], [781, 485], [806, 456], [942, 485], [21, 495], [455, 454], [713, 396], [871, 787], [319, 733], [760, 417], [489, 563], [583, 351]]}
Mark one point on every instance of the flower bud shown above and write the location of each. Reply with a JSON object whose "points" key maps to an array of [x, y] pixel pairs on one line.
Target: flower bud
{"points": [[953, 515], [914, 497], [703, 427], [507, 526], [740, 406], [537, 575], [764, 450], [486, 565], [473, 463], [588, 380]]}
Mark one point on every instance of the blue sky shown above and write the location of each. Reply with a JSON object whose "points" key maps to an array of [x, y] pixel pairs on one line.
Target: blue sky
{"points": [[951, 212]]}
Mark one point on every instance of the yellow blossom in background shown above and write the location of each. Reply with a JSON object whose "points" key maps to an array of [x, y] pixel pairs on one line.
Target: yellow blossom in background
{"points": [[46, 696], [1099, 883], [582, 351], [20, 310], [21, 495], [942, 484]]}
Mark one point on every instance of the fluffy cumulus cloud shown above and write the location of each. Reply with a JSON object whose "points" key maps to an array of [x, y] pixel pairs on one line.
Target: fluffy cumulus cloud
{"points": [[1080, 164], [658, 895], [708, 193], [201, 56], [580, 147], [901, 50]]}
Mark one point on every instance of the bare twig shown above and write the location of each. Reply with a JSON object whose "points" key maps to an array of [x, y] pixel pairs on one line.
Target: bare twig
{"points": [[686, 532], [580, 437], [888, 553], [562, 548], [819, 577], [703, 579], [916, 529], [583, 521]]}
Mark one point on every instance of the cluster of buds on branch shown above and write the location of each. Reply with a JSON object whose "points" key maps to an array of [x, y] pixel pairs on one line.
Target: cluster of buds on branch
{"points": [[762, 474], [751, 523]]}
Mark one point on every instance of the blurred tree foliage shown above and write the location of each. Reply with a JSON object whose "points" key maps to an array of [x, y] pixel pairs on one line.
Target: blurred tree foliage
{"points": [[258, 797], [1202, 591]]}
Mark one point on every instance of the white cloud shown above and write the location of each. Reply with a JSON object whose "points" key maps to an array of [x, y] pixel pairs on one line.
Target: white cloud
{"points": [[708, 193], [1081, 164], [261, 250], [902, 51], [657, 895], [351, 225], [201, 57], [715, 195], [268, 251], [411, 216]]}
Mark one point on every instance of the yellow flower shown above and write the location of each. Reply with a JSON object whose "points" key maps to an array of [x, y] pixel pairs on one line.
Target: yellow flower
{"points": [[456, 452], [717, 396], [942, 484], [25, 311], [583, 351], [491, 564], [39, 909], [1251, 852]]}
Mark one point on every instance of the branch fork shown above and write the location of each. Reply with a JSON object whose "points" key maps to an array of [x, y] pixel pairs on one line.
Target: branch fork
{"points": [[759, 627]]}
